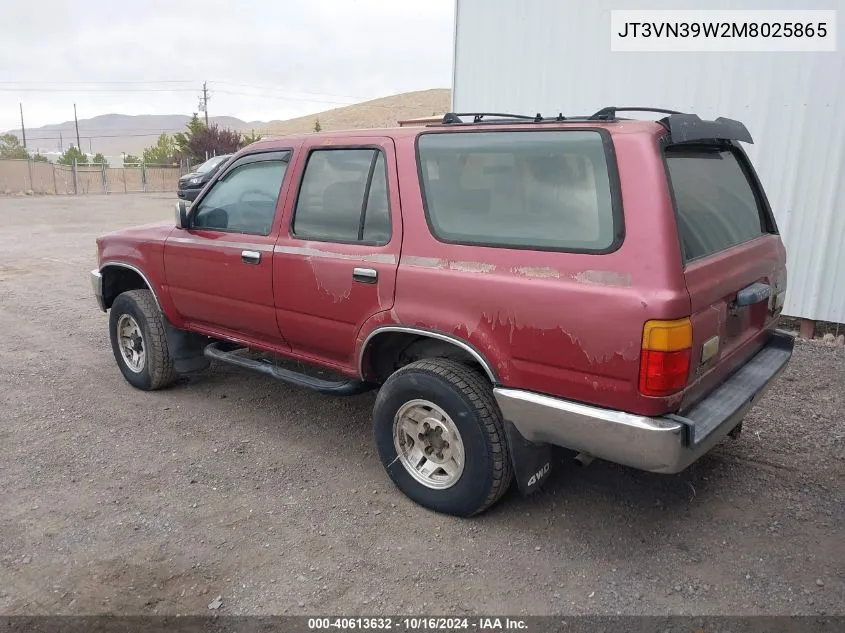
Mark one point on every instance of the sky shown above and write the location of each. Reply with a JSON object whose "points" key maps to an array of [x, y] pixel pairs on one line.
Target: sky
{"points": [[263, 59]]}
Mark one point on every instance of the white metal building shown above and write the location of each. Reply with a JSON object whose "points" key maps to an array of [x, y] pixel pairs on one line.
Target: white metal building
{"points": [[554, 56]]}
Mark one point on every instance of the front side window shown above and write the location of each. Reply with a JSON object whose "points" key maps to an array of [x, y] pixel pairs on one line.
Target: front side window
{"points": [[522, 189], [344, 197], [244, 200]]}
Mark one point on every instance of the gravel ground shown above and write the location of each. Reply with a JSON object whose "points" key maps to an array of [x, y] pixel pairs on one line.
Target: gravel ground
{"points": [[232, 485]]}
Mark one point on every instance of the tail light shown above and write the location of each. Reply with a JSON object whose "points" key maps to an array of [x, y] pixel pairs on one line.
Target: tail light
{"points": [[665, 357]]}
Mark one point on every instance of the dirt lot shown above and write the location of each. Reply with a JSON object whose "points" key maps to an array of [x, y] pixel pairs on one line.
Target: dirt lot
{"points": [[230, 484]]}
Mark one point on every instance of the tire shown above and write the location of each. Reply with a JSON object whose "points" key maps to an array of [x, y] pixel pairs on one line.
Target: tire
{"points": [[135, 311], [465, 398]]}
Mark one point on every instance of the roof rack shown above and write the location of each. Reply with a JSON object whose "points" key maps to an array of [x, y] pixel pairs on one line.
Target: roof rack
{"points": [[609, 113], [477, 117], [682, 127]]}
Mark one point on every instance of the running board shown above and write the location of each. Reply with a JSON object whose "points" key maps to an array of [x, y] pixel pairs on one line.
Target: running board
{"points": [[224, 352]]}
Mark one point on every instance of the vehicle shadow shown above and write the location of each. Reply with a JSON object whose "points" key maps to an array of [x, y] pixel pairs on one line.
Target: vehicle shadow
{"points": [[573, 495], [613, 510]]}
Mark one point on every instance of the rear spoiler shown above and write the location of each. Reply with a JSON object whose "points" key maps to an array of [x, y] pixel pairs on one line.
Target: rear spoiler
{"points": [[687, 128]]}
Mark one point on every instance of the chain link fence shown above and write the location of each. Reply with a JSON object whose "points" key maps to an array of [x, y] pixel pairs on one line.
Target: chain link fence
{"points": [[36, 177]]}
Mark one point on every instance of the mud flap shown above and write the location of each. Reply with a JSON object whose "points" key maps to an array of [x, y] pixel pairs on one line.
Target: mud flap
{"points": [[186, 349], [532, 463]]}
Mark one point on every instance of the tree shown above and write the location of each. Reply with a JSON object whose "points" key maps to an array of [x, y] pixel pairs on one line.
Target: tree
{"points": [[99, 159], [200, 141], [40, 158], [317, 126], [73, 153], [182, 139], [212, 140], [249, 139], [131, 159], [10, 147], [209, 141], [164, 152]]}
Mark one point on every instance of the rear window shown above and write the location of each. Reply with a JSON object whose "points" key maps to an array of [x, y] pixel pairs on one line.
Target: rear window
{"points": [[519, 189], [716, 205]]}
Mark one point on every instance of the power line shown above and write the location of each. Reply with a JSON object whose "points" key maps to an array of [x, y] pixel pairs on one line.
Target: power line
{"points": [[288, 93], [95, 90], [123, 131], [283, 98], [53, 137], [141, 131], [23, 84], [281, 95], [96, 136], [138, 81], [135, 90]]}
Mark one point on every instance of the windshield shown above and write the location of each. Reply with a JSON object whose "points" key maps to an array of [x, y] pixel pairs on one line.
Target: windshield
{"points": [[211, 163]]}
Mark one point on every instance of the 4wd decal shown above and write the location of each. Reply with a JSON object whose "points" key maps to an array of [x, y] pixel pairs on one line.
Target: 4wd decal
{"points": [[538, 476]]}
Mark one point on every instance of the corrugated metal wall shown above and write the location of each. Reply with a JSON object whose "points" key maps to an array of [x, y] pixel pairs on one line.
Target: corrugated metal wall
{"points": [[554, 56]]}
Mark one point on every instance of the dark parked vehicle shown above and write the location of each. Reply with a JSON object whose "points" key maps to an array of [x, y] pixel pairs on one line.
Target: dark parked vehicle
{"points": [[191, 184]]}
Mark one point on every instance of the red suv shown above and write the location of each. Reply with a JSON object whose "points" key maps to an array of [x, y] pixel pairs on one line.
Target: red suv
{"points": [[508, 283]]}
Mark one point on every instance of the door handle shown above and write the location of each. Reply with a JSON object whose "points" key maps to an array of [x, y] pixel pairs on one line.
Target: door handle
{"points": [[250, 257], [365, 275]]}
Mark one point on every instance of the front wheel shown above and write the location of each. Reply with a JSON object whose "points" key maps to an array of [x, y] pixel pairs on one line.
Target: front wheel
{"points": [[136, 329], [441, 438]]}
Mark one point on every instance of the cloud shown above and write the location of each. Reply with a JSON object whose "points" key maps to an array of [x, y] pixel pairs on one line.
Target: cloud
{"points": [[290, 57]]}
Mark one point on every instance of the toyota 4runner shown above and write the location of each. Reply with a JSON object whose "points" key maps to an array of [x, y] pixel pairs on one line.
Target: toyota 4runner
{"points": [[508, 284]]}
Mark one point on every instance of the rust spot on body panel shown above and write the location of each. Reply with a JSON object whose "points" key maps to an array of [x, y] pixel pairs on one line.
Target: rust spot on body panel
{"points": [[445, 264], [604, 278], [538, 272], [472, 267], [424, 262], [309, 252]]}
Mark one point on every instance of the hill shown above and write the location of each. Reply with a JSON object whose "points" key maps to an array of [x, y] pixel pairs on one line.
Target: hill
{"points": [[112, 134], [383, 112]]}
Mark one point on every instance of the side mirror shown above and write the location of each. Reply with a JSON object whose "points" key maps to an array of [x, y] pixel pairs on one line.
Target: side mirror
{"points": [[181, 215]]}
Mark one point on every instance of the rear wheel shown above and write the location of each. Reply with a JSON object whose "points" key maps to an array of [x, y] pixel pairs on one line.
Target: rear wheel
{"points": [[441, 437], [138, 340]]}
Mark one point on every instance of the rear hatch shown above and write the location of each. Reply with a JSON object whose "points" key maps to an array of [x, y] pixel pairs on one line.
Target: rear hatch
{"points": [[735, 262]]}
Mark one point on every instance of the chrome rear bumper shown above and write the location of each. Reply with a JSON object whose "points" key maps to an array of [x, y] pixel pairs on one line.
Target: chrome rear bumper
{"points": [[665, 444]]}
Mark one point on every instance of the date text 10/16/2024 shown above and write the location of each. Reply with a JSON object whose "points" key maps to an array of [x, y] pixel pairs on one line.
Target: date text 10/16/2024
{"points": [[418, 624]]}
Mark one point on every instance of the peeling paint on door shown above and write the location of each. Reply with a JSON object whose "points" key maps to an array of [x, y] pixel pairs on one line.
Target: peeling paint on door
{"points": [[331, 280]]}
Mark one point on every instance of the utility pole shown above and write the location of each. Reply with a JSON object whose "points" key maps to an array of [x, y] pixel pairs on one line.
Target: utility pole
{"points": [[28, 157], [76, 122], [204, 101], [23, 128], [61, 143]]}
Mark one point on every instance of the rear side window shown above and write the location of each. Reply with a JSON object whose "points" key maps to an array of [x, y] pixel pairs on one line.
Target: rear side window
{"points": [[343, 197], [520, 189], [715, 200]]}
